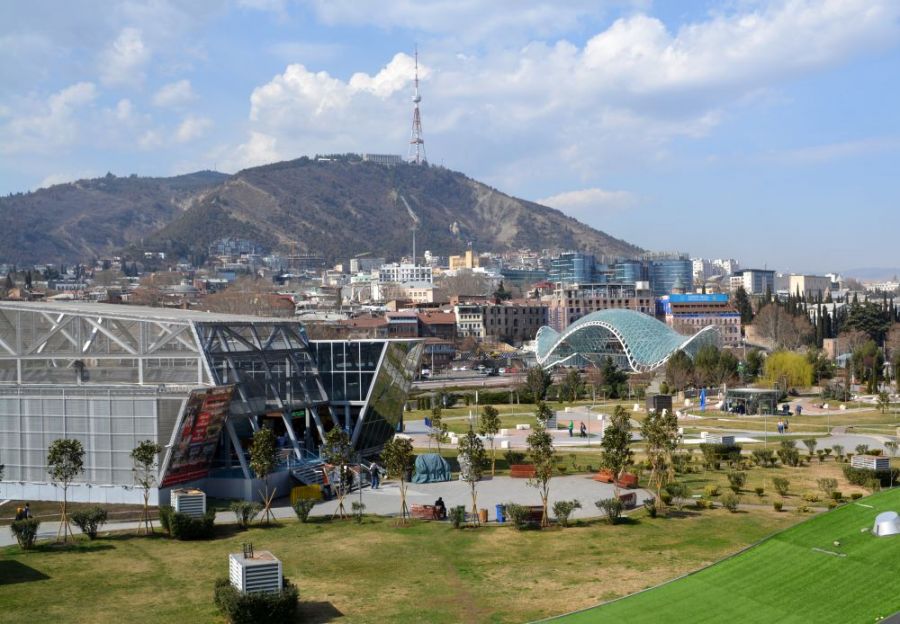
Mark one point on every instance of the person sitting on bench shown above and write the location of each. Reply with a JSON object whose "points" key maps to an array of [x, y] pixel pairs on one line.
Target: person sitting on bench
{"points": [[440, 510]]}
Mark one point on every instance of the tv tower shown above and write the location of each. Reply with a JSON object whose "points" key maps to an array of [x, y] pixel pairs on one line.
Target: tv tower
{"points": [[416, 152]]}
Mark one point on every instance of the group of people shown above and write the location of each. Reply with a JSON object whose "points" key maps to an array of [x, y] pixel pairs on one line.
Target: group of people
{"points": [[782, 426], [23, 513], [582, 433]]}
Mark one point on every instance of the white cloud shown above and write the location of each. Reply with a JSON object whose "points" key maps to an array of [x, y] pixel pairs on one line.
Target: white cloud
{"points": [[123, 61], [174, 94], [589, 203], [124, 110], [151, 139], [259, 149], [44, 126], [817, 154], [191, 128]]}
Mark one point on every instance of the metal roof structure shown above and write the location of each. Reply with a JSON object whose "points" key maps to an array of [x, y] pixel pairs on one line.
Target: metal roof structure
{"points": [[633, 339]]}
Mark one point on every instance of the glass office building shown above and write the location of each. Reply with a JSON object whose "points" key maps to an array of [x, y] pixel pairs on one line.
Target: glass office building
{"points": [[198, 384], [665, 272]]}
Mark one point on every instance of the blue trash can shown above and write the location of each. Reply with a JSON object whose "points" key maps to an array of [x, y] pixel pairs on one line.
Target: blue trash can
{"points": [[501, 518]]}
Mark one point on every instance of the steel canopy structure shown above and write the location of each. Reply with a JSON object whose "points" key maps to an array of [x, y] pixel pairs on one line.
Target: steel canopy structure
{"points": [[635, 341], [198, 384]]}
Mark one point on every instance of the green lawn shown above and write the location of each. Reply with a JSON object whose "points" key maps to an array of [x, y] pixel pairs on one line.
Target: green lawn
{"points": [[376, 572], [784, 579]]}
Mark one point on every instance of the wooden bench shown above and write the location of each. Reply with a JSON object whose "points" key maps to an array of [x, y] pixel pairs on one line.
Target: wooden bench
{"points": [[522, 471], [423, 512], [629, 499], [627, 480], [605, 476]]}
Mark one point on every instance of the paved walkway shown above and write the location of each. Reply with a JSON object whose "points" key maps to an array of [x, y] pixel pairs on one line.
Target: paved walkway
{"points": [[385, 501]]}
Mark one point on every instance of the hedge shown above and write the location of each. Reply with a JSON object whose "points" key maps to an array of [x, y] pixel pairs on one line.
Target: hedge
{"points": [[271, 608], [184, 527]]}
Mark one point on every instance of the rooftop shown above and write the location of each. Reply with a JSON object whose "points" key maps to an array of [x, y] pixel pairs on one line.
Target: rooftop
{"points": [[130, 312]]}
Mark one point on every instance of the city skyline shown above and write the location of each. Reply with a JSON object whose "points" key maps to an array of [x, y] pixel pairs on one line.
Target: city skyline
{"points": [[764, 131]]}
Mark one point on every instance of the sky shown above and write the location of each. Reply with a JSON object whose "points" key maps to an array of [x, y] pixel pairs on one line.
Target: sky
{"points": [[762, 130]]}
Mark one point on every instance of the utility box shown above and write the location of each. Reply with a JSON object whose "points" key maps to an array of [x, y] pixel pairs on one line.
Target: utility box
{"points": [[189, 502], [659, 402], [871, 462], [251, 572]]}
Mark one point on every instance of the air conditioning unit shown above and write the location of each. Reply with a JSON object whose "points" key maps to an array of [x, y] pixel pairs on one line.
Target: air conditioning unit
{"points": [[871, 462], [252, 572], [189, 502]]}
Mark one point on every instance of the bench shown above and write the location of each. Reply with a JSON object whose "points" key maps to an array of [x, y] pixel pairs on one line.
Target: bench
{"points": [[522, 471], [629, 500], [627, 480], [605, 476], [423, 512]]}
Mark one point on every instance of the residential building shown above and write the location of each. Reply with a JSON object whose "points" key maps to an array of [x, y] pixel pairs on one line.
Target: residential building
{"points": [[689, 313], [810, 287], [468, 260], [469, 320], [569, 303], [437, 324], [514, 322], [757, 281], [399, 273]]}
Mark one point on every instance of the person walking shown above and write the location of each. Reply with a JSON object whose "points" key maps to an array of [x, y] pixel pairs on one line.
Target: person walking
{"points": [[583, 430], [571, 427], [376, 477], [27, 511]]}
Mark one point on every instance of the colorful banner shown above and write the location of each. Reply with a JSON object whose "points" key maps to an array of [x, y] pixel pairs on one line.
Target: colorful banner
{"points": [[198, 435]]}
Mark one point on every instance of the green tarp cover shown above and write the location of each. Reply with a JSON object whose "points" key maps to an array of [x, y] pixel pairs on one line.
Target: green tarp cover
{"points": [[431, 468]]}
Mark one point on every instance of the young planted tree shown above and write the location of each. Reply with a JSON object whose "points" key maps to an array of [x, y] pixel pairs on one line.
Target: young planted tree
{"points": [[537, 382], [572, 386], [262, 461], [398, 459], [144, 458], [472, 459], [660, 433], [65, 461], [543, 457], [438, 432], [884, 402], [489, 428], [337, 452], [617, 455], [811, 444]]}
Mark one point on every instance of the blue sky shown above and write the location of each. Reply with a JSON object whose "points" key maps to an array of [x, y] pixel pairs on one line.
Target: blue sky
{"points": [[762, 130]]}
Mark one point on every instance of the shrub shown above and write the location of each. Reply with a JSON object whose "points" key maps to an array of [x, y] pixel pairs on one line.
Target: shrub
{"points": [[184, 527], [25, 532], [90, 520], [810, 497], [856, 496], [832, 504], [562, 468], [358, 509], [781, 485], [763, 457], [837, 495], [803, 509], [715, 454], [703, 503], [788, 453], [777, 505], [165, 518], [736, 480], [563, 509], [665, 497], [518, 514], [861, 476], [711, 491], [828, 486], [244, 512], [457, 516], [650, 506], [760, 491], [303, 507], [272, 608], [730, 501], [678, 491], [838, 452], [514, 457], [612, 507]]}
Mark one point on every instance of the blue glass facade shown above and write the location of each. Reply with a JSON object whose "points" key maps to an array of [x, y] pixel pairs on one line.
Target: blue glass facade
{"points": [[666, 273]]}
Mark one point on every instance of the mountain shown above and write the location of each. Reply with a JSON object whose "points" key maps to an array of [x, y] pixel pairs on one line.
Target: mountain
{"points": [[347, 206], [82, 220], [336, 208]]}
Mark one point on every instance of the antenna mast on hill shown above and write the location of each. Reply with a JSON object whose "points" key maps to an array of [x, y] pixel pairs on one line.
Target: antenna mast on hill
{"points": [[416, 152]]}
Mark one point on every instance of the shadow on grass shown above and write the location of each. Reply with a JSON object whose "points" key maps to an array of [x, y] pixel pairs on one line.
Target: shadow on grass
{"points": [[317, 612], [81, 545], [13, 571]]}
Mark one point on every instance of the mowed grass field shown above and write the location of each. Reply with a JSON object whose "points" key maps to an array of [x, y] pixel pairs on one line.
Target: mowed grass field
{"points": [[784, 579], [375, 571]]}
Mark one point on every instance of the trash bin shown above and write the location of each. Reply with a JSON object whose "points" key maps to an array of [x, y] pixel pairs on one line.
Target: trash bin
{"points": [[482, 516], [501, 517]]}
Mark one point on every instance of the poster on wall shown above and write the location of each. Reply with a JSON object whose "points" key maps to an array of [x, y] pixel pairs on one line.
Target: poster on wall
{"points": [[198, 435]]}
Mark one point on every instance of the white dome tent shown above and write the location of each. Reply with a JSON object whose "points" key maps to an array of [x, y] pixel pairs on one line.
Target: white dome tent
{"points": [[886, 523]]}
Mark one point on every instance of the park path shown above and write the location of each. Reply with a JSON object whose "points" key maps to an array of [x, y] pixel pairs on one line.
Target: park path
{"points": [[385, 501]]}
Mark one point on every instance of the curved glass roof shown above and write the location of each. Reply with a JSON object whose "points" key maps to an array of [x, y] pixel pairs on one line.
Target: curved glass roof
{"points": [[643, 341]]}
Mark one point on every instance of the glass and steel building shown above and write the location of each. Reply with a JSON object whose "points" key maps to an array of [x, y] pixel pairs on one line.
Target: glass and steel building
{"points": [[636, 342], [198, 384], [668, 271]]}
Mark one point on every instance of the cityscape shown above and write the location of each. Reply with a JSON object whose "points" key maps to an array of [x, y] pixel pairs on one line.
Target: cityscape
{"points": [[416, 310]]}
